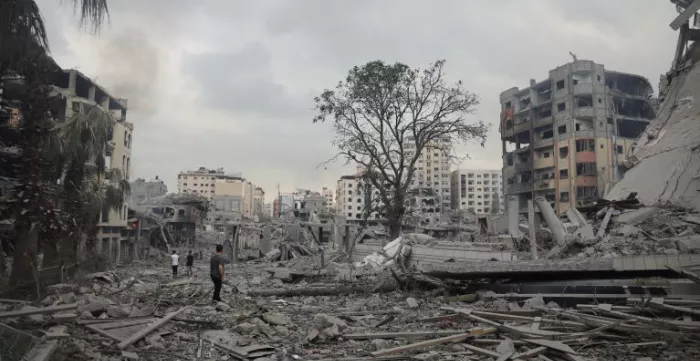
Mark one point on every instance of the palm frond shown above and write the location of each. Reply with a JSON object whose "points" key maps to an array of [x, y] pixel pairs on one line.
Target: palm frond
{"points": [[85, 136], [93, 13], [21, 28]]}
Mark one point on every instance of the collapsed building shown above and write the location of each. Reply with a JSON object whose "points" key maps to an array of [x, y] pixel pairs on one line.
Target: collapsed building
{"points": [[566, 138]]}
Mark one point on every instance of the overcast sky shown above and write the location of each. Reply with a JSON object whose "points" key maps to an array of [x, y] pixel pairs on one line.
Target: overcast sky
{"points": [[224, 83]]}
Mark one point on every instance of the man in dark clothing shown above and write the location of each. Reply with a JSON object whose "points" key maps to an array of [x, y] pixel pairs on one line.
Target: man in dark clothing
{"points": [[190, 263], [217, 263]]}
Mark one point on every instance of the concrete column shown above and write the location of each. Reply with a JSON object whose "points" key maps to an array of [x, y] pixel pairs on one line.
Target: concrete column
{"points": [[118, 256], [513, 217], [91, 93], [531, 228], [72, 80], [109, 251], [553, 222]]}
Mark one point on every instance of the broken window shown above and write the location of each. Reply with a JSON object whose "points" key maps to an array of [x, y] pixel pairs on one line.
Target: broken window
{"points": [[585, 145], [561, 129], [563, 152], [586, 192], [509, 159], [509, 104], [584, 101], [560, 84], [563, 174], [585, 169], [545, 154], [561, 107], [563, 196], [598, 77], [547, 134], [620, 149], [578, 127]]}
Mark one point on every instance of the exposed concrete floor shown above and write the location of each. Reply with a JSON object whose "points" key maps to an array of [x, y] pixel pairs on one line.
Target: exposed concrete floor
{"points": [[668, 152]]}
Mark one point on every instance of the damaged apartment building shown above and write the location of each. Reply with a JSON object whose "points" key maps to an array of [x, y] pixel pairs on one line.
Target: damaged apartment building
{"points": [[566, 138]]}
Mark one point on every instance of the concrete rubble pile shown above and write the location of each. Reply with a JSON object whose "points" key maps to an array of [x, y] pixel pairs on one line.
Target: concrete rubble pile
{"points": [[335, 311]]}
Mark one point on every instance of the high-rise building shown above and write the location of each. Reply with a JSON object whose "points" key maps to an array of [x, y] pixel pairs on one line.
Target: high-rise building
{"points": [[352, 197], [479, 191], [566, 138], [329, 193], [143, 191], [432, 170]]}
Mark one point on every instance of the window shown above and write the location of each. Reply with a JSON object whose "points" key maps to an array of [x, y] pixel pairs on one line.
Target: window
{"points": [[545, 154], [598, 77], [585, 145], [359, 208], [350, 207], [585, 169], [563, 173], [563, 152], [620, 149], [602, 146], [586, 192], [349, 214], [563, 196], [349, 191], [547, 134], [561, 107], [600, 101], [349, 199], [561, 129], [560, 84]]}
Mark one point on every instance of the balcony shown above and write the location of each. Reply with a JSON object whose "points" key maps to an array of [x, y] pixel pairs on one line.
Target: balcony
{"points": [[523, 166], [543, 143], [519, 188], [584, 112], [583, 89], [542, 122], [521, 127], [544, 184]]}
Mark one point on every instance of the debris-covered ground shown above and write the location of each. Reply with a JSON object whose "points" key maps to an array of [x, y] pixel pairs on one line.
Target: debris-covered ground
{"points": [[320, 306]]}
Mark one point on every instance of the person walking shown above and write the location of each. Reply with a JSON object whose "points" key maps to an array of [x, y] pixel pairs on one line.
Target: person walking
{"points": [[216, 271], [190, 263], [174, 261]]}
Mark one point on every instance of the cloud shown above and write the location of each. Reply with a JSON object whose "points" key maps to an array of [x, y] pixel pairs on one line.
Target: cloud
{"points": [[230, 84]]}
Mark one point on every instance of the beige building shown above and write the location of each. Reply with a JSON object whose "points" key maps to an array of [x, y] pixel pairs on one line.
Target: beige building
{"points": [[433, 171], [211, 183], [81, 94], [352, 196], [478, 191]]}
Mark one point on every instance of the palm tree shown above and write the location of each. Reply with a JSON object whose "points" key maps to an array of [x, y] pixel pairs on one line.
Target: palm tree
{"points": [[23, 52], [22, 27], [89, 187]]}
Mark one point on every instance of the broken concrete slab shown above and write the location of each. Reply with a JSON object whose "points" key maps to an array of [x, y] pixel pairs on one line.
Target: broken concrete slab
{"points": [[637, 216], [689, 244], [412, 303]]}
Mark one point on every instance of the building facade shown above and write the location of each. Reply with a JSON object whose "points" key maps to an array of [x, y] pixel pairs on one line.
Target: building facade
{"points": [[143, 191], [432, 170], [478, 191], [329, 193], [211, 183], [354, 198], [566, 138], [81, 94]]}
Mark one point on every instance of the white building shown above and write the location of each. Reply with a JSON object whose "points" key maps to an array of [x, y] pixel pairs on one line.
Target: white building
{"points": [[432, 170], [479, 191], [329, 194], [352, 195]]}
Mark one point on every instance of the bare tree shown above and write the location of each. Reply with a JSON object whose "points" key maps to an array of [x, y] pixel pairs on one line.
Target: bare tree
{"points": [[385, 115]]}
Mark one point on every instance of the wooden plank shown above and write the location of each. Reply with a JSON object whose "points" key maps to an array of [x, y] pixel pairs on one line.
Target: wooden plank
{"points": [[37, 311], [482, 351], [392, 335], [511, 317], [429, 343], [683, 17], [125, 323], [141, 334], [529, 353], [553, 344]]}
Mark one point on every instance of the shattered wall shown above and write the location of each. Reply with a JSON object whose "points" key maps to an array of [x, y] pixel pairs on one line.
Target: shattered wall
{"points": [[665, 166]]}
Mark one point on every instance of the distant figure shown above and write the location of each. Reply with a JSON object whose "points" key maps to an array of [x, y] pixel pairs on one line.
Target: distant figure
{"points": [[190, 263], [216, 271], [175, 261]]}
